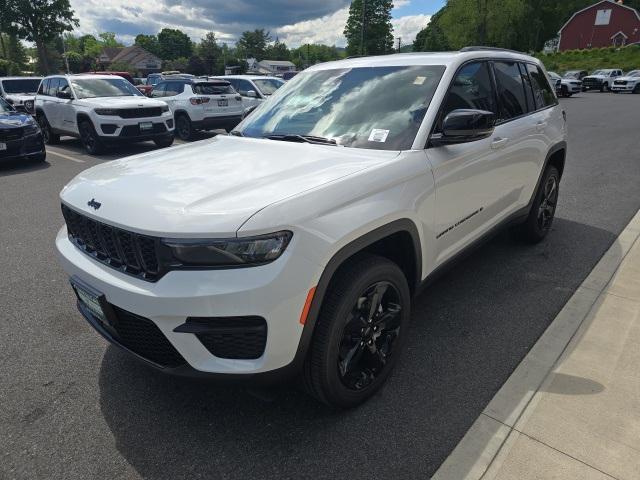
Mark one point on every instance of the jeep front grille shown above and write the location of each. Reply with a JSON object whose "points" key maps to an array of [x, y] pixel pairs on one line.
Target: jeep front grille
{"points": [[140, 112], [128, 252]]}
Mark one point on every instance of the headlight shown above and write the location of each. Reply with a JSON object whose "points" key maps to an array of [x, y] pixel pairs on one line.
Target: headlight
{"points": [[30, 128], [107, 112], [165, 108], [228, 252]]}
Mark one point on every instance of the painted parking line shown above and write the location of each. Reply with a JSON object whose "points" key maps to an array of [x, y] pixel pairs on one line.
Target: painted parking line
{"points": [[62, 155]]}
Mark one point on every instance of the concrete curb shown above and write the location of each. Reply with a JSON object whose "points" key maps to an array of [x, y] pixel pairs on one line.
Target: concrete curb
{"points": [[491, 436]]}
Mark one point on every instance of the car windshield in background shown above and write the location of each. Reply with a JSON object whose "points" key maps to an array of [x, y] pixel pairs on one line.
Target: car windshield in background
{"points": [[634, 73], [5, 107], [104, 87], [378, 108], [268, 86], [21, 85], [212, 88]]}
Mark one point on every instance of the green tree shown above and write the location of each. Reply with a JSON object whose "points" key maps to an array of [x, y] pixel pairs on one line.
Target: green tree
{"points": [[42, 22], [108, 39], [432, 38], [196, 65], [254, 44], [277, 51], [173, 44], [149, 43], [369, 30], [209, 51]]}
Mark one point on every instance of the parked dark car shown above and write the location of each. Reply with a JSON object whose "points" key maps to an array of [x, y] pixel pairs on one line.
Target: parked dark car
{"points": [[20, 135]]}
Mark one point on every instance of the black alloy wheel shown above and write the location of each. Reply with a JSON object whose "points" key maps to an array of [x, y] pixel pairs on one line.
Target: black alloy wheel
{"points": [[89, 138], [369, 336], [547, 208], [184, 128], [48, 136], [359, 333]]}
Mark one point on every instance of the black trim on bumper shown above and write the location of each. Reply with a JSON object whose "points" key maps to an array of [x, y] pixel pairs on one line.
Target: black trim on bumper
{"points": [[213, 123]]}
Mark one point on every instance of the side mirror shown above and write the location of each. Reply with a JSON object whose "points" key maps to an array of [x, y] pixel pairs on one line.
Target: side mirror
{"points": [[252, 94], [65, 94], [463, 126]]}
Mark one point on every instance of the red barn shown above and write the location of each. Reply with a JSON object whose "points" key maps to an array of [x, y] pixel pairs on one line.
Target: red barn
{"points": [[604, 24]]}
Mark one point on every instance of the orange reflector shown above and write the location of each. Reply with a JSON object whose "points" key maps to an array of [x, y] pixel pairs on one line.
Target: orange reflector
{"points": [[307, 306]]}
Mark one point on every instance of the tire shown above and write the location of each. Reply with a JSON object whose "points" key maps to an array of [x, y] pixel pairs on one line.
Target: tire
{"points": [[604, 87], [538, 224], [164, 142], [48, 136], [89, 138], [568, 95], [343, 336], [184, 129], [564, 91], [636, 88], [41, 158]]}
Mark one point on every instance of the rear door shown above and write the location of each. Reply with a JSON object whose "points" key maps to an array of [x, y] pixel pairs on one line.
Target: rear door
{"points": [[65, 108]]}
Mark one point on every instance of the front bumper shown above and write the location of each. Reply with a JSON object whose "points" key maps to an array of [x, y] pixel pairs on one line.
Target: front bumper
{"points": [[275, 292], [129, 129], [25, 147], [629, 87]]}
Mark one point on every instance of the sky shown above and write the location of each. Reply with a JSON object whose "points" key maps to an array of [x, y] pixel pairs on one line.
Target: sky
{"points": [[294, 22]]}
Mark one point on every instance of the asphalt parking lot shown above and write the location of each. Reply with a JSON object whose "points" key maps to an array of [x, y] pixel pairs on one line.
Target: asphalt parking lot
{"points": [[74, 407]]}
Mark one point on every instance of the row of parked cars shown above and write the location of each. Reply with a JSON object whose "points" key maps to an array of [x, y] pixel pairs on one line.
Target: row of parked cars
{"points": [[102, 108], [605, 80]]}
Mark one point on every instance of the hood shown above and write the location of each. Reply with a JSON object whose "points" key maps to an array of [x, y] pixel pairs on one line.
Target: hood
{"points": [[120, 102], [209, 187], [19, 98], [15, 119], [629, 79], [597, 77]]}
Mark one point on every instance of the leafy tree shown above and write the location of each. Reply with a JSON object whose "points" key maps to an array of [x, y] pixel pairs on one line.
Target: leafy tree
{"points": [[369, 30], [307, 55], [209, 51], [108, 39], [122, 67], [149, 43], [254, 44], [432, 38], [42, 22], [174, 44], [277, 51], [181, 64]]}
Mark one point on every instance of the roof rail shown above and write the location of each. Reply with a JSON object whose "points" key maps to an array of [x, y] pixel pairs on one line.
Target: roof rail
{"points": [[474, 48]]}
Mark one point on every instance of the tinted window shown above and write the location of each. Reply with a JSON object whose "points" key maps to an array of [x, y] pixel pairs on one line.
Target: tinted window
{"points": [[212, 88], [511, 91], [471, 88], [28, 85], [44, 87], [5, 107], [528, 88], [244, 86], [268, 86], [542, 91], [158, 90], [379, 108], [173, 88], [53, 86], [63, 85]]}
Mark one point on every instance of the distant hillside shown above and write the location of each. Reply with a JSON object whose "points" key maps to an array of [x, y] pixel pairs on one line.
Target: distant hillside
{"points": [[627, 58]]}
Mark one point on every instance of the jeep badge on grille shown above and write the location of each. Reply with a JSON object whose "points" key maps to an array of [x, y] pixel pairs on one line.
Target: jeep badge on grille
{"points": [[93, 204]]}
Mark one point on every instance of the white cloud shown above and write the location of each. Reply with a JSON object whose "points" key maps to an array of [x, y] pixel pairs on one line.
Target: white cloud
{"points": [[408, 27], [400, 3]]}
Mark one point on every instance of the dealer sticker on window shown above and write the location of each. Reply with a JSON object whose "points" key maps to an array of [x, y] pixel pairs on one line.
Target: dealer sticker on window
{"points": [[419, 80], [378, 135]]}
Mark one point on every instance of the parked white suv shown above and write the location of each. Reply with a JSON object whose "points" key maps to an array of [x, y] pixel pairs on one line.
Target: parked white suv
{"points": [[100, 110], [200, 104], [294, 245], [254, 89], [630, 82], [565, 86], [20, 91]]}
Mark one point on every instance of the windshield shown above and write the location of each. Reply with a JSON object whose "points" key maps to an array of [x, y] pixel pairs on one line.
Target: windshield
{"points": [[22, 85], [554, 75], [104, 87], [5, 107], [634, 73], [599, 72], [571, 74], [378, 108], [268, 86]]}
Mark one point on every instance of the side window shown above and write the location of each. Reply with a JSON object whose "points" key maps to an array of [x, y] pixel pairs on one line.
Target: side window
{"points": [[471, 88], [528, 88], [158, 90], [511, 92], [53, 86], [244, 86], [63, 85], [542, 91]]}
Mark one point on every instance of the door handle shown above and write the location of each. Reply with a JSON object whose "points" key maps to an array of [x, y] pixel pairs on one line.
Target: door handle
{"points": [[499, 142], [540, 126]]}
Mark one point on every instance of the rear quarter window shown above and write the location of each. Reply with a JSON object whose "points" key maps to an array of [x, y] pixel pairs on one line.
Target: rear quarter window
{"points": [[212, 88]]}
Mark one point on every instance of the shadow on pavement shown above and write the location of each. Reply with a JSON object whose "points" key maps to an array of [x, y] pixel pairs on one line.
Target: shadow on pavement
{"points": [[17, 167], [470, 330]]}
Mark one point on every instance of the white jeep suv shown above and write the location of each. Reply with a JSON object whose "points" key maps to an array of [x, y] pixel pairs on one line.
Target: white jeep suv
{"points": [[630, 82], [295, 244], [100, 110], [254, 89], [200, 104], [20, 92]]}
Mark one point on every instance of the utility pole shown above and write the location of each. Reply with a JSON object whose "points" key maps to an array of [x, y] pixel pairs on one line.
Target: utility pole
{"points": [[64, 54], [399, 44], [364, 9]]}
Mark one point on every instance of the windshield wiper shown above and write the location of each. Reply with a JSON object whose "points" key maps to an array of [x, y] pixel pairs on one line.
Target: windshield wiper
{"points": [[236, 133], [294, 137]]}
